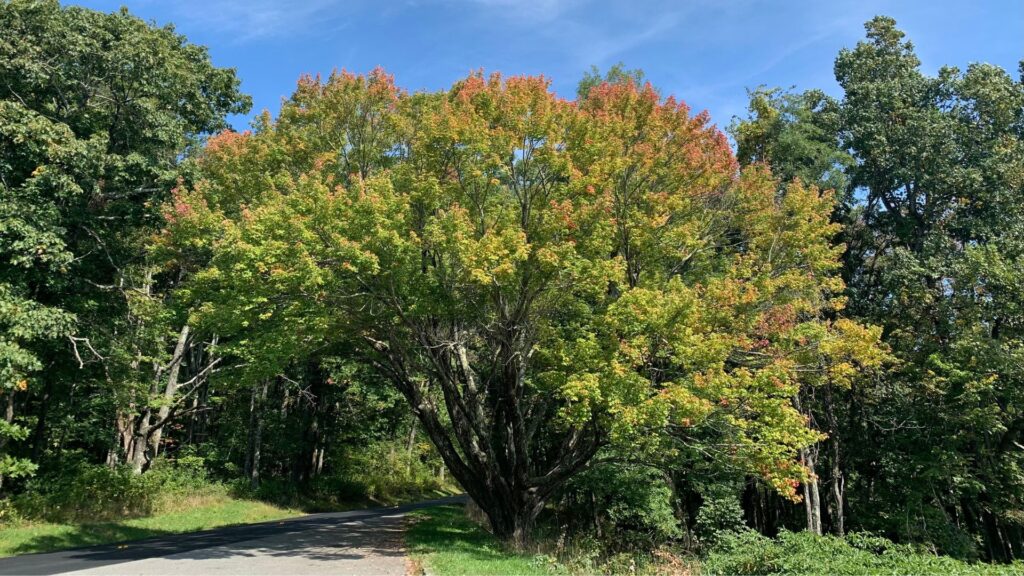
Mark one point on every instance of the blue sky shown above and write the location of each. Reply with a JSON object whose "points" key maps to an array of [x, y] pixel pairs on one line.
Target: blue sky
{"points": [[706, 52]]}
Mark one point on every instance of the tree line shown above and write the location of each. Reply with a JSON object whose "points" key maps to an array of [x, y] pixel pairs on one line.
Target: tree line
{"points": [[595, 310]]}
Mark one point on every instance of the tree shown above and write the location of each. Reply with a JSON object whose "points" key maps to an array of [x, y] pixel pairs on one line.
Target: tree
{"points": [[797, 134], [538, 279], [617, 74], [95, 112], [939, 263], [932, 223]]}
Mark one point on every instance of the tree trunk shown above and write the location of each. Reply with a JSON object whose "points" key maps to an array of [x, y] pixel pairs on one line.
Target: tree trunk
{"points": [[170, 389], [838, 484], [140, 444], [252, 460], [493, 463], [39, 436], [812, 500]]}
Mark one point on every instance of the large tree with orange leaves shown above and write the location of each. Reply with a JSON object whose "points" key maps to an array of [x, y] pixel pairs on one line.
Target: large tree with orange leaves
{"points": [[539, 278]]}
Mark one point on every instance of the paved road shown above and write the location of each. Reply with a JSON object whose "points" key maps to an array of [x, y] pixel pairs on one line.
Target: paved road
{"points": [[364, 542]]}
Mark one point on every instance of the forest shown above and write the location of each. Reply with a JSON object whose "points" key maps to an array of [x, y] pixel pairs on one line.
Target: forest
{"points": [[632, 336]]}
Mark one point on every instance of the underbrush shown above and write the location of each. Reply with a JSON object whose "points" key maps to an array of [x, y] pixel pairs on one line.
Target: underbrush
{"points": [[380, 474], [82, 492], [448, 541], [802, 553]]}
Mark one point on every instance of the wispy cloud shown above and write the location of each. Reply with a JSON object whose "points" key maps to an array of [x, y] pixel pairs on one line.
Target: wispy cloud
{"points": [[245, 20], [535, 10]]}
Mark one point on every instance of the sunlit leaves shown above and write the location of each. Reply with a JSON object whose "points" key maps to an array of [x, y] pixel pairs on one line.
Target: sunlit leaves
{"points": [[655, 292]]}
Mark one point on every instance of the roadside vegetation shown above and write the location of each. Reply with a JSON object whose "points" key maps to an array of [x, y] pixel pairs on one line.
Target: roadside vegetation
{"points": [[448, 541], [638, 345], [214, 508], [92, 504]]}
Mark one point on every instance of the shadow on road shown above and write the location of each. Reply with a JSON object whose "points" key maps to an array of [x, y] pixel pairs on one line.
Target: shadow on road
{"points": [[328, 537]]}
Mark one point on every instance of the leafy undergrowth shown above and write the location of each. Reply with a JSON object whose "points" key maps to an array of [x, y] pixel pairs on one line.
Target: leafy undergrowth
{"points": [[380, 474], [444, 542], [84, 504], [333, 494], [190, 514], [857, 554]]}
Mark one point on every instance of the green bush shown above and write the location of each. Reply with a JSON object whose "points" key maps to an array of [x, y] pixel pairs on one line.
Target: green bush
{"points": [[719, 514], [389, 471], [747, 552], [630, 507], [384, 472], [90, 492]]}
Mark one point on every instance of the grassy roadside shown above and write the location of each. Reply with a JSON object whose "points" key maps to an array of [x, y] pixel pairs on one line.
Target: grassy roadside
{"points": [[443, 542], [212, 506], [190, 515]]}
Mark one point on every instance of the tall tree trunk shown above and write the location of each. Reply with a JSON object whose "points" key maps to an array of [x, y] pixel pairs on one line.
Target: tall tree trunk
{"points": [[138, 455], [812, 500], [252, 460], [490, 452], [143, 429], [170, 389], [39, 436], [838, 484]]}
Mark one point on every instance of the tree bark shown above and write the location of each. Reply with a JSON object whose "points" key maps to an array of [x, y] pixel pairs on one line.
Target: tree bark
{"points": [[838, 484], [812, 500], [252, 460], [486, 439], [171, 388]]}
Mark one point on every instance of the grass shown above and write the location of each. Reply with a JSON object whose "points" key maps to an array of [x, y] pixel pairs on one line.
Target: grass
{"points": [[444, 542], [188, 515]]}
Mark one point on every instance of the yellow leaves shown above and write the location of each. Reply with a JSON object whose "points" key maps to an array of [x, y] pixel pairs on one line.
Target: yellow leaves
{"points": [[582, 394], [852, 350], [494, 258], [662, 287], [21, 384]]}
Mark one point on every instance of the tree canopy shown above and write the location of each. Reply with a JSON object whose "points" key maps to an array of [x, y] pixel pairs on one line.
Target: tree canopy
{"points": [[539, 278]]}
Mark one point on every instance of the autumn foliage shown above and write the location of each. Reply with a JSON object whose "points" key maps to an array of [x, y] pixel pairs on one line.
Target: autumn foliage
{"points": [[542, 279]]}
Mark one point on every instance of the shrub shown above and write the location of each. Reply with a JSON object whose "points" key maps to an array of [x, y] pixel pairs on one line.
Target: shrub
{"points": [[82, 492], [629, 506], [747, 552], [389, 471], [719, 514]]}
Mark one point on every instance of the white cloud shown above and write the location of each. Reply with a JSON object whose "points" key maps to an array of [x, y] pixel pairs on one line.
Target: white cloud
{"points": [[243, 20], [535, 10]]}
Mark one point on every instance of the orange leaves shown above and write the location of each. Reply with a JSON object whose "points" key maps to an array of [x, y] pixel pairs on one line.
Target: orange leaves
{"points": [[225, 142]]}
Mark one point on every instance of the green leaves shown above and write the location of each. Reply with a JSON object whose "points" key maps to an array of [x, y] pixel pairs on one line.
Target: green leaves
{"points": [[610, 250]]}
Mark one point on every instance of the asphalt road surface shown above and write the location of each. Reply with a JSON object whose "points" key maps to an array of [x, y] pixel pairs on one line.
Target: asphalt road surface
{"points": [[358, 542]]}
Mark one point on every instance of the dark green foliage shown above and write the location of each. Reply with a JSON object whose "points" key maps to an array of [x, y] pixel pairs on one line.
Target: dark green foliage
{"points": [[83, 492], [96, 111], [796, 134], [627, 507], [933, 224], [719, 516]]}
